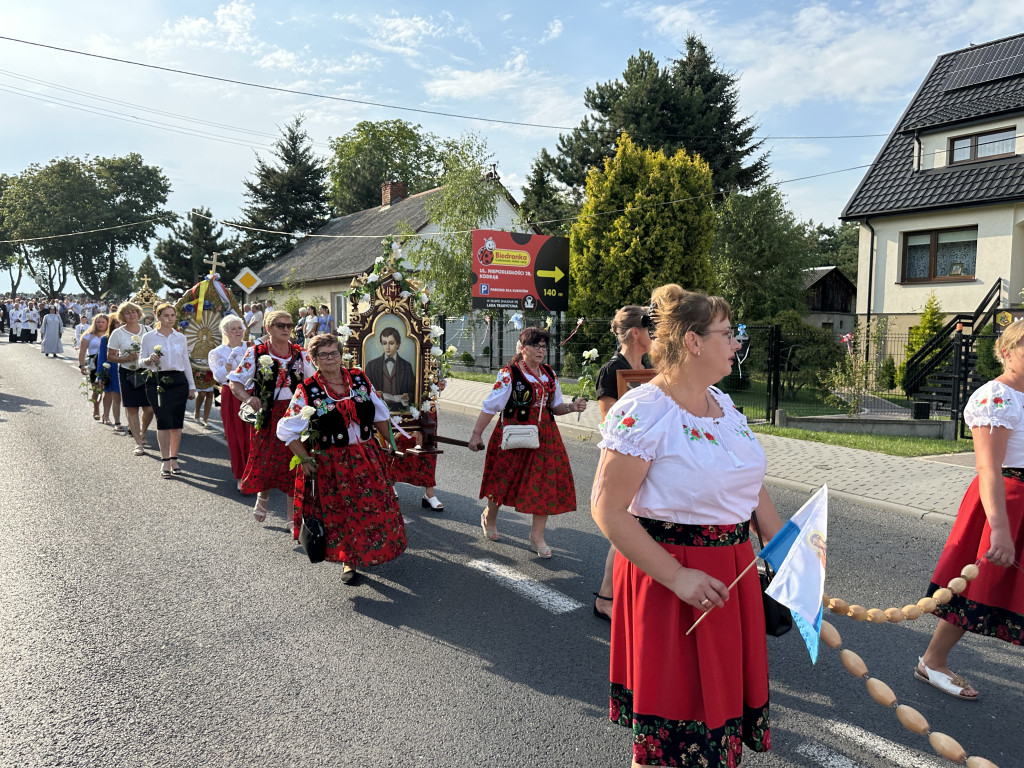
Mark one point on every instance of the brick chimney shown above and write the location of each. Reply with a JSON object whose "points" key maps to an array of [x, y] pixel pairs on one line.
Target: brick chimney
{"points": [[392, 192]]}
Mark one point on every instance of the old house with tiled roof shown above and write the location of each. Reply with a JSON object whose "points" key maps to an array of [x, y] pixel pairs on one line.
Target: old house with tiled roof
{"points": [[942, 206], [345, 247]]}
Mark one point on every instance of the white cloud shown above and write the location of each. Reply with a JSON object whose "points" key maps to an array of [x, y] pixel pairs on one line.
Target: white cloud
{"points": [[454, 83], [231, 29], [402, 35], [554, 30]]}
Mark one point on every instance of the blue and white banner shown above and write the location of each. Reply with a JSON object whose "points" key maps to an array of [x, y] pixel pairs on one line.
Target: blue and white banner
{"points": [[798, 553]]}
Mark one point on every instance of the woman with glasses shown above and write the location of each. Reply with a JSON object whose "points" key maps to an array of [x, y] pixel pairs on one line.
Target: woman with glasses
{"points": [[222, 361], [678, 477], [330, 425], [630, 328], [536, 481], [266, 379], [169, 386]]}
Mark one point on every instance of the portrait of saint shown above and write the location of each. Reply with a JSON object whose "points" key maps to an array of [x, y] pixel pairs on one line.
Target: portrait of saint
{"points": [[390, 357]]}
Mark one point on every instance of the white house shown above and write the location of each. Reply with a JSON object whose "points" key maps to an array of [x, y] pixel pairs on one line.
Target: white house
{"points": [[942, 206], [345, 247]]}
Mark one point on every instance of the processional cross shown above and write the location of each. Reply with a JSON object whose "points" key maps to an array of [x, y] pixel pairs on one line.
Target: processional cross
{"points": [[212, 263]]}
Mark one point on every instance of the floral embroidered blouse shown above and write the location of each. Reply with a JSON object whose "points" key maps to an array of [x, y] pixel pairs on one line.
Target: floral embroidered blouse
{"points": [[996, 405], [245, 373], [224, 359], [293, 424], [703, 470], [500, 393]]}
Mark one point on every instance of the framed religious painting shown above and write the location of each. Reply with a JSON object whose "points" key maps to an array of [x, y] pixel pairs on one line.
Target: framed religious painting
{"points": [[390, 337], [627, 380]]}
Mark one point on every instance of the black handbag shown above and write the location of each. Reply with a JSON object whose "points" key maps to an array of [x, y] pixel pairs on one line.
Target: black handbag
{"points": [[777, 618], [312, 534]]}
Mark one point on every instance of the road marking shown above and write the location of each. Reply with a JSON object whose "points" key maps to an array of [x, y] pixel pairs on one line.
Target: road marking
{"points": [[546, 597], [895, 753], [825, 756]]}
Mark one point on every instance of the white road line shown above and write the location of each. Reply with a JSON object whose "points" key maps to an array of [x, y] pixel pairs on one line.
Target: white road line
{"points": [[825, 756], [547, 598], [895, 753]]}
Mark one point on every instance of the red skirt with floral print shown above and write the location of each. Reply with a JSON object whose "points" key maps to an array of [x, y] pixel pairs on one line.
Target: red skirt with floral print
{"points": [[411, 468], [993, 603], [354, 498], [269, 458], [534, 481]]}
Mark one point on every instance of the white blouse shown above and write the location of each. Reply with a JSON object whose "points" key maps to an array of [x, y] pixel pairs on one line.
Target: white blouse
{"points": [[246, 372], [292, 424], [121, 340], [224, 359], [94, 342], [996, 405], [174, 353], [497, 399], [703, 470]]}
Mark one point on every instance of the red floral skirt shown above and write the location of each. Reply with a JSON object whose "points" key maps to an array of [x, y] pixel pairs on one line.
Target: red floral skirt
{"points": [[269, 458], [993, 603], [690, 700], [534, 481], [412, 468], [360, 512], [237, 433]]}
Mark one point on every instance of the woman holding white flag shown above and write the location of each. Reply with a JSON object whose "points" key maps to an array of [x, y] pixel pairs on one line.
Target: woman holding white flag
{"points": [[678, 477]]}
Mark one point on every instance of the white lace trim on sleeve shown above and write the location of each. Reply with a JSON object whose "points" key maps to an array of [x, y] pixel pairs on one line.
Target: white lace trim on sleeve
{"points": [[626, 447]]}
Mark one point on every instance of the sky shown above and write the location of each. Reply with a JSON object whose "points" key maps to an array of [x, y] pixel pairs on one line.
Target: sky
{"points": [[807, 74]]}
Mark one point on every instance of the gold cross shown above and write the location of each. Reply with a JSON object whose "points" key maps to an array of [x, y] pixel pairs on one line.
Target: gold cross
{"points": [[213, 264], [145, 282]]}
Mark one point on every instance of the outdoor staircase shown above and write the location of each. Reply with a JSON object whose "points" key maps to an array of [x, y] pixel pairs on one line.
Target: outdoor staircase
{"points": [[942, 373]]}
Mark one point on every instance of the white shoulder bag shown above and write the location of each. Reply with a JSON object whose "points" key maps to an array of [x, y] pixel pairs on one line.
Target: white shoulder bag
{"points": [[516, 436]]}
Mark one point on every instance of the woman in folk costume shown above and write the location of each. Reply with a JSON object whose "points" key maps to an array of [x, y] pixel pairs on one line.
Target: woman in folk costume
{"points": [[536, 481], [989, 527], [678, 477], [330, 426], [266, 379], [222, 361]]}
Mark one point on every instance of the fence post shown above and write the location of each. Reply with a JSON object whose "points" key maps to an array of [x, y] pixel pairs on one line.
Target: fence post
{"points": [[959, 374], [501, 336], [490, 343], [774, 374], [558, 343]]}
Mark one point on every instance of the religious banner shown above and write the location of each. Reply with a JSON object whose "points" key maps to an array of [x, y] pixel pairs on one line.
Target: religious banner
{"points": [[200, 312], [390, 337]]}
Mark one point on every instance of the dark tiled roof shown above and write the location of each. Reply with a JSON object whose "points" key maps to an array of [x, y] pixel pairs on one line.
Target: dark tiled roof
{"points": [[325, 258], [891, 185], [814, 274]]}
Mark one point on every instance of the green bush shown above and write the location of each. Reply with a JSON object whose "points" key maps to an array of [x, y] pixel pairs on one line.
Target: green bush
{"points": [[485, 352], [467, 359], [886, 376], [987, 366], [570, 365]]}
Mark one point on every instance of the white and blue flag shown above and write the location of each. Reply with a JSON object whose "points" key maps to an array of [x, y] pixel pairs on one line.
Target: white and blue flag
{"points": [[798, 553]]}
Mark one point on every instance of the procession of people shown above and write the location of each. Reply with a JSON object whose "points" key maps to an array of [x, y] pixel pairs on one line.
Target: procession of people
{"points": [[678, 479]]}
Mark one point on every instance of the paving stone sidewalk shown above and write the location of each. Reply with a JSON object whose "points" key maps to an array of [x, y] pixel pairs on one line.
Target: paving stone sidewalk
{"points": [[928, 488]]}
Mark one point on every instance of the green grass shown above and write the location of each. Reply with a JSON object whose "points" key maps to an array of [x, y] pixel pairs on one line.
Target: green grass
{"points": [[891, 446], [570, 389]]}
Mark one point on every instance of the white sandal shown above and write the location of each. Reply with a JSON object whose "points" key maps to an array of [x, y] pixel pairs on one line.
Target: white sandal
{"points": [[432, 502], [954, 685]]}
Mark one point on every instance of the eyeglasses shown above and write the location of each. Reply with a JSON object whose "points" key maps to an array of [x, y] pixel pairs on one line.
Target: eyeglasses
{"points": [[539, 347], [284, 326], [731, 335], [328, 355]]}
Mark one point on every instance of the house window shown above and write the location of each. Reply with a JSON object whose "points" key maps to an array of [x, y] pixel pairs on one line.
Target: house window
{"points": [[948, 254], [981, 146]]}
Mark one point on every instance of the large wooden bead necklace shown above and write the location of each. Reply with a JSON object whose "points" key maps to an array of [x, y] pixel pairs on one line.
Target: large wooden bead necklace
{"points": [[910, 718]]}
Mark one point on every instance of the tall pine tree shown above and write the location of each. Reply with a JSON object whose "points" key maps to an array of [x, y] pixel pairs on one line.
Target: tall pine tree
{"points": [[691, 104], [286, 197], [182, 255]]}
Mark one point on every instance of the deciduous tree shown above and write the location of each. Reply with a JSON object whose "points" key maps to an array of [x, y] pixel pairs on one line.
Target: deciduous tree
{"points": [[759, 256], [287, 196], [647, 221], [10, 255], [375, 152]]}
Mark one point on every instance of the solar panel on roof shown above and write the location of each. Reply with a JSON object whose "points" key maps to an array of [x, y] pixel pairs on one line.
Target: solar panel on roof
{"points": [[991, 62]]}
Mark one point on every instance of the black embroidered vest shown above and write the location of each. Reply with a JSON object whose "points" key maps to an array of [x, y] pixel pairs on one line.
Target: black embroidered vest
{"points": [[331, 427], [264, 387], [521, 399]]}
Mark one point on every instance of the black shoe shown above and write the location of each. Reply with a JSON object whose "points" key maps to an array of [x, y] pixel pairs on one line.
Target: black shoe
{"points": [[350, 576], [598, 613]]}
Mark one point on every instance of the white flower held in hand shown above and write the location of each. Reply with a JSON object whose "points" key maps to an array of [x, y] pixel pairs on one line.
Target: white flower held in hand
{"points": [[106, 365], [307, 412], [158, 348], [266, 361], [590, 355], [136, 339]]}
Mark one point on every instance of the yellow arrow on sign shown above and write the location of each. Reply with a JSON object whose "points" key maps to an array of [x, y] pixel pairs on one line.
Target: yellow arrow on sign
{"points": [[555, 273]]}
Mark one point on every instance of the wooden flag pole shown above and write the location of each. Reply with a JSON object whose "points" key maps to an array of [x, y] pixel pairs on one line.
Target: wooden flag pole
{"points": [[734, 583]]}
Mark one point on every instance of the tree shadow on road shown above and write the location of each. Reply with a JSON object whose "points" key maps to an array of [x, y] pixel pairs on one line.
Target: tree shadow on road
{"points": [[14, 404]]}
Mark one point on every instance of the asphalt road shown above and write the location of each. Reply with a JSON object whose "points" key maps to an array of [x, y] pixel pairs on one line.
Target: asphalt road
{"points": [[149, 622]]}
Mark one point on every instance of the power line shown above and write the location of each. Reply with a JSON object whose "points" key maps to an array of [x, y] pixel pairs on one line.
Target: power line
{"points": [[418, 110]]}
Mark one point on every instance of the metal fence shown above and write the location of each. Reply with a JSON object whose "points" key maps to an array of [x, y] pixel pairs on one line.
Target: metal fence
{"points": [[804, 370]]}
